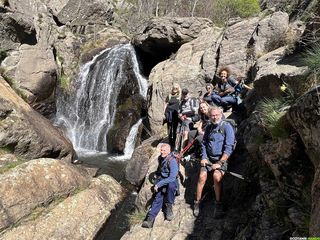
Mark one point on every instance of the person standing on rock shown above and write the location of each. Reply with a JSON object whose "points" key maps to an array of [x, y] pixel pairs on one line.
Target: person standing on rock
{"points": [[217, 146], [187, 110], [171, 109], [165, 187]]}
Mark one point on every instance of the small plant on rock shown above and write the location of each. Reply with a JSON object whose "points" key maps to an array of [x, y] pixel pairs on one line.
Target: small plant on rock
{"points": [[272, 113], [136, 217], [312, 59]]}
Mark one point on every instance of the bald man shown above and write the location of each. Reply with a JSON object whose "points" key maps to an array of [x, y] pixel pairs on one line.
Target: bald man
{"points": [[165, 186]]}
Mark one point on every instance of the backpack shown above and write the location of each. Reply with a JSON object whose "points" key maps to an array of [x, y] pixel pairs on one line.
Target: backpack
{"points": [[223, 131], [194, 104]]}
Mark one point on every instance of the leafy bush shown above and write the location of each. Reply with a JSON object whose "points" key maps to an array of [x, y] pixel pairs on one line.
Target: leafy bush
{"points": [[272, 113], [312, 58], [225, 9]]}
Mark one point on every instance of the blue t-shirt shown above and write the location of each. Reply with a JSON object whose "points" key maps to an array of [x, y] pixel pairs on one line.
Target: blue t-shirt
{"points": [[215, 142]]}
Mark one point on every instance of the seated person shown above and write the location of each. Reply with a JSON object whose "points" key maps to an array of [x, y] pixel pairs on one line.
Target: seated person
{"points": [[187, 110], [165, 187], [208, 95], [203, 119], [224, 95], [216, 149]]}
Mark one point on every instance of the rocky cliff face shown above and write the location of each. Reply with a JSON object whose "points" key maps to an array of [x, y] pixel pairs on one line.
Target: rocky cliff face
{"points": [[239, 45], [305, 118], [25, 132]]}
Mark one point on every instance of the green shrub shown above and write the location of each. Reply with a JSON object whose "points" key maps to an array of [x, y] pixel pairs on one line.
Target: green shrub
{"points": [[225, 9], [311, 58], [273, 119]]}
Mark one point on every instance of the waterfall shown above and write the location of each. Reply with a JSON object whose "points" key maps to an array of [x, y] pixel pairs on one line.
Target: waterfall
{"points": [[87, 116], [130, 142]]}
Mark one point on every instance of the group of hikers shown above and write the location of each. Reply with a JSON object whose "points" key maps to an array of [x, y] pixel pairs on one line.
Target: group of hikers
{"points": [[199, 122]]}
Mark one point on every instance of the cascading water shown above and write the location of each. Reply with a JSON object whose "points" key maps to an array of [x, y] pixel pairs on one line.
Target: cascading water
{"points": [[130, 142], [87, 116]]}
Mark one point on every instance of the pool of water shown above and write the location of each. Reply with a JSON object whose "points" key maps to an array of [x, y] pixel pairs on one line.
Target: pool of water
{"points": [[106, 164], [114, 166]]}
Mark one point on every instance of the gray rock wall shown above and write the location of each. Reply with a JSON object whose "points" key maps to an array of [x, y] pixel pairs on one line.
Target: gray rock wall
{"points": [[25, 132]]}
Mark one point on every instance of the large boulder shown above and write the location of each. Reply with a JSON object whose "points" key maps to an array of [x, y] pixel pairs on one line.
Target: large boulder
{"points": [[33, 72], [79, 216], [86, 17], [304, 117], [25, 132], [246, 40], [293, 172], [162, 36], [233, 50], [271, 71], [128, 113], [185, 68], [29, 8], [138, 166], [34, 184], [275, 68], [15, 30], [270, 33]]}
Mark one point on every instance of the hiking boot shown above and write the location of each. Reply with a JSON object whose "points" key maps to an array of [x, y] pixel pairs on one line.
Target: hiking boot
{"points": [[218, 211], [168, 212], [148, 223], [196, 208]]}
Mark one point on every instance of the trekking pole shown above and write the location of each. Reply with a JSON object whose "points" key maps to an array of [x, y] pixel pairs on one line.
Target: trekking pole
{"points": [[237, 175], [186, 148]]}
